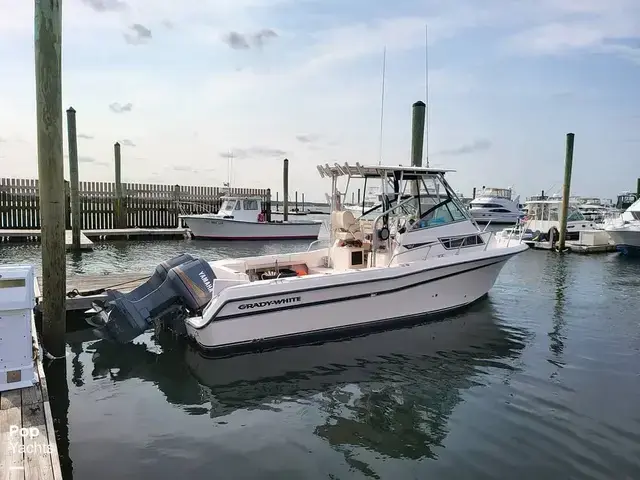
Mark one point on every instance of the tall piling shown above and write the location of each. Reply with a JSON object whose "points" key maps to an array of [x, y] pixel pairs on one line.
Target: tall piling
{"points": [[417, 138], [303, 202], [566, 190], [473, 195], [48, 70], [74, 178], [638, 188], [119, 206], [285, 189]]}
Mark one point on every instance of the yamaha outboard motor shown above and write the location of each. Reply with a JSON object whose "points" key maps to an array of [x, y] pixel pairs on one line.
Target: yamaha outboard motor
{"points": [[179, 287]]}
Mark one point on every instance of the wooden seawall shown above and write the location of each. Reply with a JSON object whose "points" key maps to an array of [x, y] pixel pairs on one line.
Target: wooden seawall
{"points": [[145, 205]]}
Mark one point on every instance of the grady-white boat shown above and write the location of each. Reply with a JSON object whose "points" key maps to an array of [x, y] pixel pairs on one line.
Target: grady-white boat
{"points": [[421, 254], [243, 218], [495, 205], [625, 230]]}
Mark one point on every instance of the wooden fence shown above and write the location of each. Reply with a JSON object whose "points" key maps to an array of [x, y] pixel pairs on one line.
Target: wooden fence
{"points": [[145, 205]]}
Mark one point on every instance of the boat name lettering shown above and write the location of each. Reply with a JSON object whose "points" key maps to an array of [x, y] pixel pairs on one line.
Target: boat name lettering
{"points": [[268, 303]]}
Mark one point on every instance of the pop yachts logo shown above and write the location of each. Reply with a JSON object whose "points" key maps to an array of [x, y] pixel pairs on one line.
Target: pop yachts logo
{"points": [[268, 303]]}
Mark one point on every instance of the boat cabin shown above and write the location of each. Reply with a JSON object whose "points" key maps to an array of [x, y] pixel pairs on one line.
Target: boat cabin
{"points": [[247, 209], [543, 215]]}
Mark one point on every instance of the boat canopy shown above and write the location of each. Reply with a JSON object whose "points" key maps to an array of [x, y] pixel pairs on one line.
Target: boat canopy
{"points": [[367, 171]]}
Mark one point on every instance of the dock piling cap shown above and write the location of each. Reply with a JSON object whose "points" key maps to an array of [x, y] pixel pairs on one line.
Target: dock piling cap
{"points": [[419, 103]]}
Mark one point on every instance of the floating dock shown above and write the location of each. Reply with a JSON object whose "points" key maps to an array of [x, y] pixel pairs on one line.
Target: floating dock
{"points": [[87, 237], [34, 455], [79, 284], [590, 241]]}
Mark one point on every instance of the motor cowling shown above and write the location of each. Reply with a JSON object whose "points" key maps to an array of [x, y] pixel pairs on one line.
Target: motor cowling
{"points": [[179, 287]]}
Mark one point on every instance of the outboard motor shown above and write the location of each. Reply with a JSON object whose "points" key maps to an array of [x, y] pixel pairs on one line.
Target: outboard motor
{"points": [[179, 287]]}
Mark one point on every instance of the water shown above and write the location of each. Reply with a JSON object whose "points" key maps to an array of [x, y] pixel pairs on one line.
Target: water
{"points": [[541, 380]]}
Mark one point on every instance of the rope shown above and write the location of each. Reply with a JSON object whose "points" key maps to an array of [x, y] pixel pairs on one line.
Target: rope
{"points": [[87, 293]]}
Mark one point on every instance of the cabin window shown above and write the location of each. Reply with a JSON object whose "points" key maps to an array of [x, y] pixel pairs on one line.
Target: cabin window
{"points": [[575, 216], [238, 206], [500, 210], [636, 215], [461, 242], [251, 205], [485, 205], [227, 206]]}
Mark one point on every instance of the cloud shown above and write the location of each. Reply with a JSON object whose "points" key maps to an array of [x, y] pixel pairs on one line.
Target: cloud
{"points": [[477, 146], [106, 5], [139, 34], [261, 37], [241, 41], [127, 143], [117, 108], [85, 136], [236, 40], [257, 151], [307, 138], [168, 24], [92, 160]]}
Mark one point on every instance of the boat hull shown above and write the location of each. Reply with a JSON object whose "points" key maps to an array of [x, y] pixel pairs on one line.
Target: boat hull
{"points": [[345, 307], [496, 218], [213, 228], [627, 240]]}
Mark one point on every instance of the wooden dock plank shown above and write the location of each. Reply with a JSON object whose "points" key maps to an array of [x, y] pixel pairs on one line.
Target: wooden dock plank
{"points": [[11, 456], [85, 243]]}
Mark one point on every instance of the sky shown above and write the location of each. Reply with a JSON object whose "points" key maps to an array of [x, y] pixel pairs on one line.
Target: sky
{"points": [[183, 85]]}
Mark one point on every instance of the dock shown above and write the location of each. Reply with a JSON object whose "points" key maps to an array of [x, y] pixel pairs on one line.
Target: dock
{"points": [[78, 284], [88, 237], [34, 455], [589, 241]]}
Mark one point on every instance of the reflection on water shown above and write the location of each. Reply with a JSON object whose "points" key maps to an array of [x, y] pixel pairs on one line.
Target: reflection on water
{"points": [[541, 380]]}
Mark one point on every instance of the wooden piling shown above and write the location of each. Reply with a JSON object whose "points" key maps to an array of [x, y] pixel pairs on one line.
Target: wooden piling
{"points": [[119, 205], [285, 188], [566, 190], [303, 202], [48, 67], [268, 205], [638, 188], [74, 179], [297, 201], [417, 133], [358, 196], [473, 195]]}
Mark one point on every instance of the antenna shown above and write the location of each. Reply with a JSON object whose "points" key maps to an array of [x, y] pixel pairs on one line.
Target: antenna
{"points": [[384, 68], [426, 88]]}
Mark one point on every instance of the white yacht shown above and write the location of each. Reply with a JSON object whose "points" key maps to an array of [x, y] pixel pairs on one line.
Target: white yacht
{"points": [[625, 230], [421, 255], [495, 205], [244, 218]]}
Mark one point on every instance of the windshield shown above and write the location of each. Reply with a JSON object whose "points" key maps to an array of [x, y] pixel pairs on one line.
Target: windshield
{"points": [[228, 205]]}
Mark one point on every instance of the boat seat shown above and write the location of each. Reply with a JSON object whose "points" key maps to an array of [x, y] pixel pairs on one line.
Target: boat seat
{"points": [[345, 226]]}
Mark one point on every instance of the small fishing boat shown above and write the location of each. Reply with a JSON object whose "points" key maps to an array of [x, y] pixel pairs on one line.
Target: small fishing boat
{"points": [[422, 254], [244, 218]]}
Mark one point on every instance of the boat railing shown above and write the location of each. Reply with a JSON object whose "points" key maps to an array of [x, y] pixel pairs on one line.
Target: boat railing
{"points": [[182, 208], [317, 241], [375, 240]]}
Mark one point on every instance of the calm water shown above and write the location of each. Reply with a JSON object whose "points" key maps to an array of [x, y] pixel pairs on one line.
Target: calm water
{"points": [[541, 380]]}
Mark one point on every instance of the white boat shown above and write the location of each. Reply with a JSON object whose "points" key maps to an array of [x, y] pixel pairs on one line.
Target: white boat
{"points": [[543, 217], [244, 218], [625, 230], [495, 205], [422, 255]]}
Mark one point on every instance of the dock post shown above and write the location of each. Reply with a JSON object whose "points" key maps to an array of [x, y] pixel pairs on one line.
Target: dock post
{"points": [[48, 66], [417, 139], [566, 190], [297, 201], [358, 196], [119, 210], [73, 178], [303, 202], [268, 209], [473, 195], [638, 188], [277, 202], [285, 188]]}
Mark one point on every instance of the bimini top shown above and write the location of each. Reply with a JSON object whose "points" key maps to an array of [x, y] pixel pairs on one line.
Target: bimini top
{"points": [[363, 171]]}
